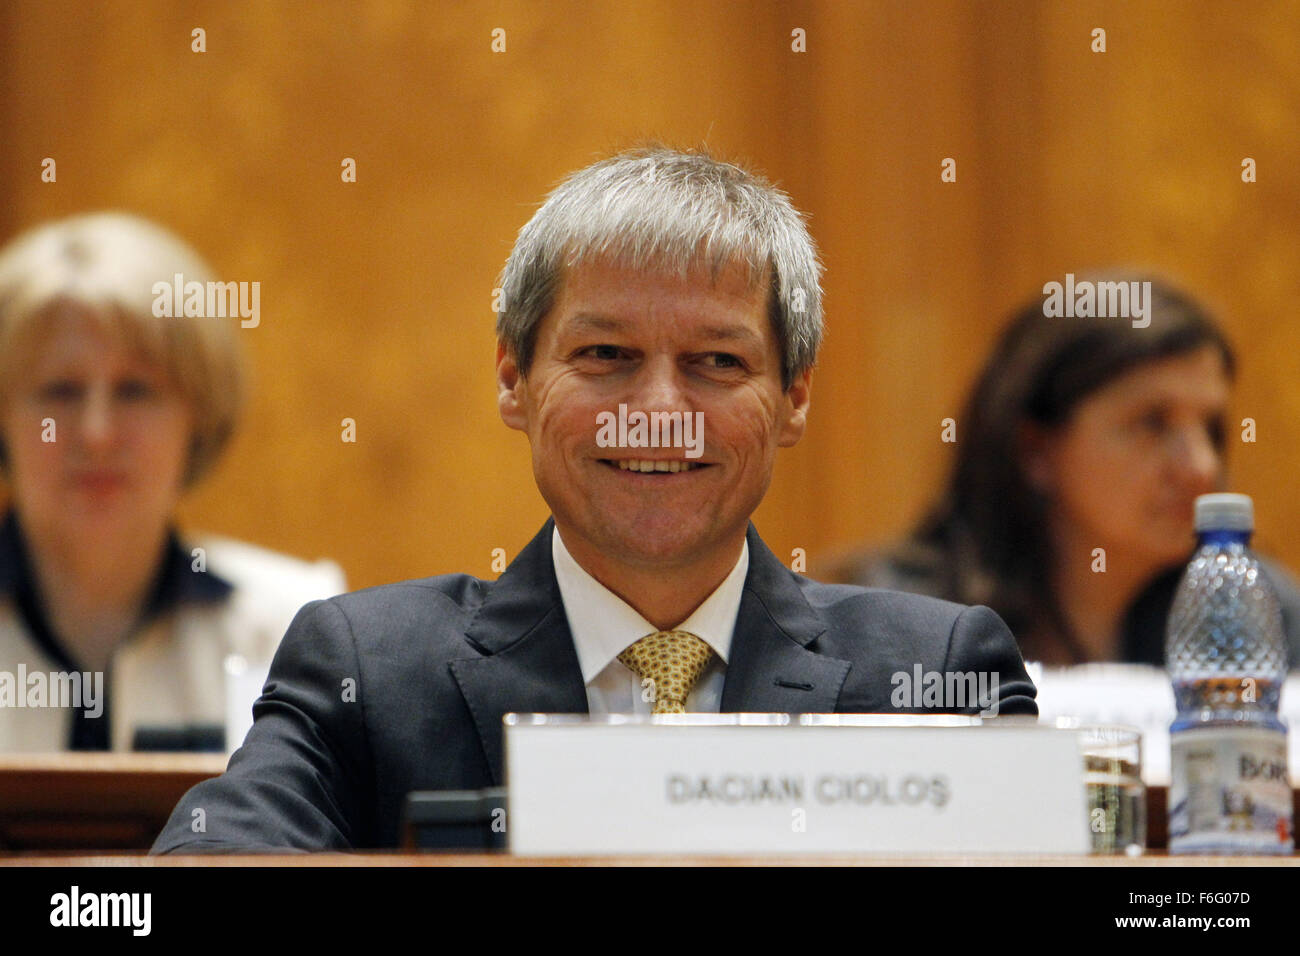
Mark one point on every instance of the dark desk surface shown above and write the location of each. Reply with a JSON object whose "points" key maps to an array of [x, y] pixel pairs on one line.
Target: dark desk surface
{"points": [[91, 803]]}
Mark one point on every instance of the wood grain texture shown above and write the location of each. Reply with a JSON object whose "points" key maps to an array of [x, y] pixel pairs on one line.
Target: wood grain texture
{"points": [[376, 297]]}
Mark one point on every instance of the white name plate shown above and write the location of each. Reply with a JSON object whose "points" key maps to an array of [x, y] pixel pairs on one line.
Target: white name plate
{"points": [[743, 784]]}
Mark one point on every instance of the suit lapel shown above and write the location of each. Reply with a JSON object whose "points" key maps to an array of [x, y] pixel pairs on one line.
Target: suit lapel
{"points": [[771, 668], [527, 662]]}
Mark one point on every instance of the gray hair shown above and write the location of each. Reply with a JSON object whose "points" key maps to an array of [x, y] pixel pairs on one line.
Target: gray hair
{"points": [[665, 210]]}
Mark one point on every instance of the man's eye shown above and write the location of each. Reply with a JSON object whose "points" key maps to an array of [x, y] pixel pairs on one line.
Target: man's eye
{"points": [[723, 360], [605, 352]]}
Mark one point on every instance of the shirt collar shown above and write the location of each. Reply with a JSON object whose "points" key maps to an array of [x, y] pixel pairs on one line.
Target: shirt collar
{"points": [[603, 624]]}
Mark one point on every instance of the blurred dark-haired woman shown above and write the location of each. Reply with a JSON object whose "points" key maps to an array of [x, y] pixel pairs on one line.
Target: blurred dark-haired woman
{"points": [[1081, 434]]}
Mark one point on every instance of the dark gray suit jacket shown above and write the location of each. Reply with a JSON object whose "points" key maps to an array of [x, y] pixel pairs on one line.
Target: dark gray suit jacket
{"points": [[398, 688]]}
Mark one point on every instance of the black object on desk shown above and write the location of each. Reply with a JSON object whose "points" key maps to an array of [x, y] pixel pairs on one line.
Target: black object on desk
{"points": [[455, 820], [190, 738]]}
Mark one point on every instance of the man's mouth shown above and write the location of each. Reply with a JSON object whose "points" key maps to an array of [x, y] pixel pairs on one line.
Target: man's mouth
{"points": [[646, 466]]}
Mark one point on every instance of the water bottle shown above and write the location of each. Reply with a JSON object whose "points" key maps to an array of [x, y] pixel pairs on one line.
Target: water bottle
{"points": [[1226, 655]]}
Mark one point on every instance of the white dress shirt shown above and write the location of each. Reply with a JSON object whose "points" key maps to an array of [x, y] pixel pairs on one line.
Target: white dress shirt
{"points": [[604, 625]]}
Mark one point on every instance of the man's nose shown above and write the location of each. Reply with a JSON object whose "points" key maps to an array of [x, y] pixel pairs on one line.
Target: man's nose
{"points": [[661, 387]]}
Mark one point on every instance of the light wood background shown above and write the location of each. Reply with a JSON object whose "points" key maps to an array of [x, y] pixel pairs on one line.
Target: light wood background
{"points": [[376, 296]]}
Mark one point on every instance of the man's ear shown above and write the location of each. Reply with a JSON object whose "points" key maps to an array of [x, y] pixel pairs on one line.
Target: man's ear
{"points": [[510, 385], [794, 409]]}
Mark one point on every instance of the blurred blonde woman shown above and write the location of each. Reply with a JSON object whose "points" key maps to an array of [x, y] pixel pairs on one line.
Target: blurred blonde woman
{"points": [[108, 414]]}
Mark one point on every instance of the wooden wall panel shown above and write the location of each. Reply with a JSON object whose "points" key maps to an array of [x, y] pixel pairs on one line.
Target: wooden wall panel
{"points": [[376, 296], [1068, 160]]}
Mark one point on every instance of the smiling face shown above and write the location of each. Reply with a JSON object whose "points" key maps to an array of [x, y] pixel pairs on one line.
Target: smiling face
{"points": [[654, 343], [1126, 469], [121, 431]]}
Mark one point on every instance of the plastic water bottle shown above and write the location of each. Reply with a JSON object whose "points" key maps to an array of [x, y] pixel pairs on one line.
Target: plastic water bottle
{"points": [[1226, 654]]}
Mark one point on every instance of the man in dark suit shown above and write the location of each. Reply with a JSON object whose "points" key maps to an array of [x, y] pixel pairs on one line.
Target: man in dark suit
{"points": [[686, 290]]}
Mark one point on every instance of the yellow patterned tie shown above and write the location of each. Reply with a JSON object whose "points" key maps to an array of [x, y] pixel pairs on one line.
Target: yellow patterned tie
{"points": [[673, 661]]}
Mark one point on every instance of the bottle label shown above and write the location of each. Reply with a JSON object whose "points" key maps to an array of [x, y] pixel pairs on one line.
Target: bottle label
{"points": [[1230, 791]]}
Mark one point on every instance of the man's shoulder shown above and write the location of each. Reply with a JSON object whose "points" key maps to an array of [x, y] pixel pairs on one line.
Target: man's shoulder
{"points": [[398, 624], [419, 602], [871, 607], [884, 633]]}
